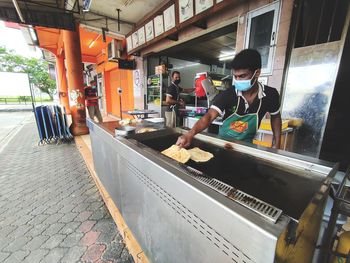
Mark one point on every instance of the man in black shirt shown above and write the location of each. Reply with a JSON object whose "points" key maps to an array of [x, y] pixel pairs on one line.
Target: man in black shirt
{"points": [[91, 101], [243, 106], [173, 100]]}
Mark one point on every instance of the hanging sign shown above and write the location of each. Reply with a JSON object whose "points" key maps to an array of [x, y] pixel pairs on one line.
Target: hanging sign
{"points": [[128, 43], [158, 25], [202, 5], [149, 31], [185, 10], [169, 18], [135, 40], [141, 35]]}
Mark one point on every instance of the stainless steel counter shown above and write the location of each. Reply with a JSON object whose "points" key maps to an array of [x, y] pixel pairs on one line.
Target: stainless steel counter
{"points": [[180, 216]]}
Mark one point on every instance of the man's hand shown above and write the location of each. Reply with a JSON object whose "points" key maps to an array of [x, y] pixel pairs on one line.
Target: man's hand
{"points": [[184, 140], [203, 123], [228, 146]]}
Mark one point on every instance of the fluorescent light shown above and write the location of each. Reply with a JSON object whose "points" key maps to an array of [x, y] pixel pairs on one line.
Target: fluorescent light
{"points": [[98, 30], [223, 58], [186, 66], [93, 41], [227, 55]]}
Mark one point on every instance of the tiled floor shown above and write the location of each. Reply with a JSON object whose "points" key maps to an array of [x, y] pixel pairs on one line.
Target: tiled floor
{"points": [[50, 208]]}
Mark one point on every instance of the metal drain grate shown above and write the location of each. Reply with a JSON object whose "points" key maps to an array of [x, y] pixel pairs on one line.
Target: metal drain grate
{"points": [[264, 209], [268, 211]]}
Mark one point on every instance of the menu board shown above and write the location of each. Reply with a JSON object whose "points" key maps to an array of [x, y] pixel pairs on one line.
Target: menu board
{"points": [[185, 10], [169, 17], [149, 31], [135, 40], [141, 35], [128, 43], [158, 25], [202, 5]]}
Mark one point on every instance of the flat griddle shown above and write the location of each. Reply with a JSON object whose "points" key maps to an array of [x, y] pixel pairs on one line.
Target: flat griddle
{"points": [[286, 189]]}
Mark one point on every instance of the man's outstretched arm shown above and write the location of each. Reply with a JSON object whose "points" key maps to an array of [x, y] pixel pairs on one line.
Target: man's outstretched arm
{"points": [[200, 125]]}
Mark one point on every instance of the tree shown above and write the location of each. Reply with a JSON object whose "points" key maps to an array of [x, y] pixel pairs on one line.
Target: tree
{"points": [[37, 69]]}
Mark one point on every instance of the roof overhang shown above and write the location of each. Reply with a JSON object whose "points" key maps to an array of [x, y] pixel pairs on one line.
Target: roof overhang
{"points": [[46, 13], [91, 43]]}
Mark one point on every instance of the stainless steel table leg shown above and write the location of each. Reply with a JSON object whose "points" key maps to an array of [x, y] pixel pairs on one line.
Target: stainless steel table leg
{"points": [[285, 141]]}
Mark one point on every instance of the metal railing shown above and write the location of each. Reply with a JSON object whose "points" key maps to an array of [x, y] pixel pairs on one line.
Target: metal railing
{"points": [[18, 100]]}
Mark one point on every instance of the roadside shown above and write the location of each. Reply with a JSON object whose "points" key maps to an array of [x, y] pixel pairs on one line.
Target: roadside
{"points": [[50, 209], [22, 106], [15, 107], [11, 123]]}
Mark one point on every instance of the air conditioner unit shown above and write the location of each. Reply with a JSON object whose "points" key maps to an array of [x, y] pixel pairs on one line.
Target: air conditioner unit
{"points": [[114, 50]]}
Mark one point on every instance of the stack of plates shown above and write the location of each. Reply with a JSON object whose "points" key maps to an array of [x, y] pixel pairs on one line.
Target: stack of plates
{"points": [[155, 120]]}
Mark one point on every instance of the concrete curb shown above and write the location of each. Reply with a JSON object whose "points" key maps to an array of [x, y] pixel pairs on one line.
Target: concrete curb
{"points": [[15, 110], [129, 239]]}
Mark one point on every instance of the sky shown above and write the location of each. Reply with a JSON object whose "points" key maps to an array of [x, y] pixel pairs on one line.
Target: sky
{"points": [[13, 39], [15, 84]]}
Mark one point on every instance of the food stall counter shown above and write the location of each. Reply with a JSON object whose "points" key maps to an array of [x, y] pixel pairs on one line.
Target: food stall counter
{"points": [[210, 206]]}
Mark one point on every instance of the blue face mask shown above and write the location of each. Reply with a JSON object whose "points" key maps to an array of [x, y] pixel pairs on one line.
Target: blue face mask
{"points": [[244, 85]]}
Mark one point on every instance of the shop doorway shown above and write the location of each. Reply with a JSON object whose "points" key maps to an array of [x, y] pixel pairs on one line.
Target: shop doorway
{"points": [[210, 54]]}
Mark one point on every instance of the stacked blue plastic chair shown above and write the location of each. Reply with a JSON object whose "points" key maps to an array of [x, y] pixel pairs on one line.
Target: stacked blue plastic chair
{"points": [[52, 124]]}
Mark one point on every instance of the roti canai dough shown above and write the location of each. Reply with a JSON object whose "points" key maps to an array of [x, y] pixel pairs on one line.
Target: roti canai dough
{"points": [[199, 155], [146, 129], [178, 154]]}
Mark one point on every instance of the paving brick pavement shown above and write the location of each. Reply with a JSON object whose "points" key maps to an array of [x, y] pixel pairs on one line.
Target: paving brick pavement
{"points": [[50, 208]]}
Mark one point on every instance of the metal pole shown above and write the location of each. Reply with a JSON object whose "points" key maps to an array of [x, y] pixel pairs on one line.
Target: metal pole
{"points": [[118, 10], [120, 105], [18, 10], [120, 91], [33, 92], [31, 95]]}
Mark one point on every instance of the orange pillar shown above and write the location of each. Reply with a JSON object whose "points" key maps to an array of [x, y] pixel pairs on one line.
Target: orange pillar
{"points": [[62, 82], [71, 41]]}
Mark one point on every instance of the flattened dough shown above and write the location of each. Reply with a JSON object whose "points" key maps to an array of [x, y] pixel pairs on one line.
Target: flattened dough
{"points": [[199, 155], [146, 129], [180, 155]]}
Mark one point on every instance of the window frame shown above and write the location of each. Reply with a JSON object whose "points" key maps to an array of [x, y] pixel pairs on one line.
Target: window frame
{"points": [[276, 7]]}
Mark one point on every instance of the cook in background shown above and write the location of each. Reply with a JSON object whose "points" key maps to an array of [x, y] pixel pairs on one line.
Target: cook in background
{"points": [[173, 101], [91, 99], [243, 106]]}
